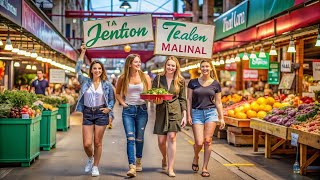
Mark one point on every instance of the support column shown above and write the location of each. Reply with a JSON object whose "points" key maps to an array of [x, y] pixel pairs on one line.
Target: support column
{"points": [[58, 21], [299, 59], [195, 10], [207, 11], [228, 4]]}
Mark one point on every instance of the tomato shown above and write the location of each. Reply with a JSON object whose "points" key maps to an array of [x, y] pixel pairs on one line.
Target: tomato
{"points": [[26, 106], [24, 110]]}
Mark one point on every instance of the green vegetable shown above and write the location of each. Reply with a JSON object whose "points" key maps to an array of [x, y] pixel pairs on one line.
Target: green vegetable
{"points": [[156, 91], [5, 110]]}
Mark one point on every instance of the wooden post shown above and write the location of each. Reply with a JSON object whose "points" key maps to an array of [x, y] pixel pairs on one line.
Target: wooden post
{"points": [[255, 140], [300, 60], [267, 153], [303, 158]]}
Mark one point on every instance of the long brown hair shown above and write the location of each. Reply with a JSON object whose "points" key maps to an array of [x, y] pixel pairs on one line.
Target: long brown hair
{"points": [[126, 74], [213, 72], [177, 77], [103, 74]]}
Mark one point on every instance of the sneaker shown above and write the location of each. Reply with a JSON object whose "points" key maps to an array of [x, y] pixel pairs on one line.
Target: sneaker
{"points": [[132, 171], [95, 171], [138, 165], [89, 165]]}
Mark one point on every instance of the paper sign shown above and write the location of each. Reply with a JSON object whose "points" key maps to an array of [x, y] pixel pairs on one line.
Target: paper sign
{"points": [[57, 76], [184, 39], [316, 70], [286, 65], [273, 73], [117, 31], [59, 116], [294, 139], [250, 75], [286, 81]]}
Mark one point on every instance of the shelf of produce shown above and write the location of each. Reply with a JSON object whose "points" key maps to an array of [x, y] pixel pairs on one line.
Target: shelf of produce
{"points": [[19, 140], [237, 122], [270, 129], [48, 130], [306, 140]]}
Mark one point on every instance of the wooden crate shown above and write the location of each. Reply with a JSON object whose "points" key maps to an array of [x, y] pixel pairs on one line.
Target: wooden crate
{"points": [[269, 128], [238, 139], [237, 122], [306, 140]]}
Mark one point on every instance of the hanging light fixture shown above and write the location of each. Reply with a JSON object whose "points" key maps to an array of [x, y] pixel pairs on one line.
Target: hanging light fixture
{"points": [[253, 53], [291, 48], [273, 51], [245, 55], [8, 45], [125, 5], [221, 60], [21, 51], [27, 54], [39, 57], [33, 53], [34, 67], [28, 66], [318, 38], [1, 43], [262, 54], [237, 59], [127, 48], [16, 64], [218, 62], [232, 60], [228, 60], [15, 49]]}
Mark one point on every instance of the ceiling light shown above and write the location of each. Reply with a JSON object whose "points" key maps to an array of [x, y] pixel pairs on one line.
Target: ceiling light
{"points": [[245, 56], [8, 46], [33, 54], [39, 58], [237, 59], [34, 67], [253, 53], [21, 52], [125, 5], [16, 64], [291, 48], [28, 66], [232, 60], [273, 51], [262, 54], [221, 60], [1, 43]]}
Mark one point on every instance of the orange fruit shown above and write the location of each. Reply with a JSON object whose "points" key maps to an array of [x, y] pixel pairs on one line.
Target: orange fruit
{"points": [[246, 107], [270, 100], [261, 114], [251, 114], [241, 115], [255, 106], [261, 100], [231, 113]]}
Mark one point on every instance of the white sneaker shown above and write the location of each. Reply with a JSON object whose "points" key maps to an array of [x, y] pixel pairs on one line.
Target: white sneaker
{"points": [[95, 171], [89, 165]]}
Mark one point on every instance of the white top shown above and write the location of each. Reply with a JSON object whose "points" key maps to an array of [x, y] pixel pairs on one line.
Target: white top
{"points": [[93, 97], [133, 94]]}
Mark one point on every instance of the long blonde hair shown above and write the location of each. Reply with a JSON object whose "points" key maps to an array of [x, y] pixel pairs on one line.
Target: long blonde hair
{"points": [[126, 74], [177, 77], [213, 72]]}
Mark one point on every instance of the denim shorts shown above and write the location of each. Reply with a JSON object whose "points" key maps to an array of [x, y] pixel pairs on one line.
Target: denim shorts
{"points": [[202, 116], [94, 116]]}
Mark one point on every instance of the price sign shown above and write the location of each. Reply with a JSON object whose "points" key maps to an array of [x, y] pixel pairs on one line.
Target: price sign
{"points": [[294, 139]]}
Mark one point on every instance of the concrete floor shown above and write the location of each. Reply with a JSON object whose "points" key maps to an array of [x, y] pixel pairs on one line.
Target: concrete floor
{"points": [[227, 162]]}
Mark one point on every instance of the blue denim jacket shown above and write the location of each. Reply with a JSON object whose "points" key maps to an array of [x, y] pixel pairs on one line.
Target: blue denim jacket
{"points": [[85, 85]]}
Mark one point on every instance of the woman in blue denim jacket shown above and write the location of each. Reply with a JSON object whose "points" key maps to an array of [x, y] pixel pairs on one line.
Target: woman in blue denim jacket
{"points": [[96, 101], [134, 115]]}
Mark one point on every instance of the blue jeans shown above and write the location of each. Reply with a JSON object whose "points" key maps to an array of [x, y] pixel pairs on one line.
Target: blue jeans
{"points": [[202, 116], [135, 118]]}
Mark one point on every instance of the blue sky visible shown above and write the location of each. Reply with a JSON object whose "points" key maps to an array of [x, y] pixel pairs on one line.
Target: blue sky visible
{"points": [[140, 6]]}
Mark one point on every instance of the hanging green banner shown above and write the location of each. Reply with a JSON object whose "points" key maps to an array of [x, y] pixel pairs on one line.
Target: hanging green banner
{"points": [[232, 21], [259, 63], [273, 73]]}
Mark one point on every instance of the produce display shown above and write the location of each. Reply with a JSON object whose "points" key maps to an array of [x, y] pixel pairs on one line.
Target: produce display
{"points": [[155, 93], [290, 115], [50, 103], [231, 99], [15, 104], [312, 125], [253, 109]]}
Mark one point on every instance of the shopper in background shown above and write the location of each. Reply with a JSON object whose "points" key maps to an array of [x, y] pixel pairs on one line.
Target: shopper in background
{"points": [[204, 111], [96, 100], [40, 85], [134, 115], [170, 115]]}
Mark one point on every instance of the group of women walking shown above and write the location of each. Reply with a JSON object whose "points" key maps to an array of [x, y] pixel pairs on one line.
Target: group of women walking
{"points": [[202, 109]]}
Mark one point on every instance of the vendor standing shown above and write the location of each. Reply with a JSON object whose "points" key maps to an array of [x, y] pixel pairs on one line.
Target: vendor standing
{"points": [[40, 85]]}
